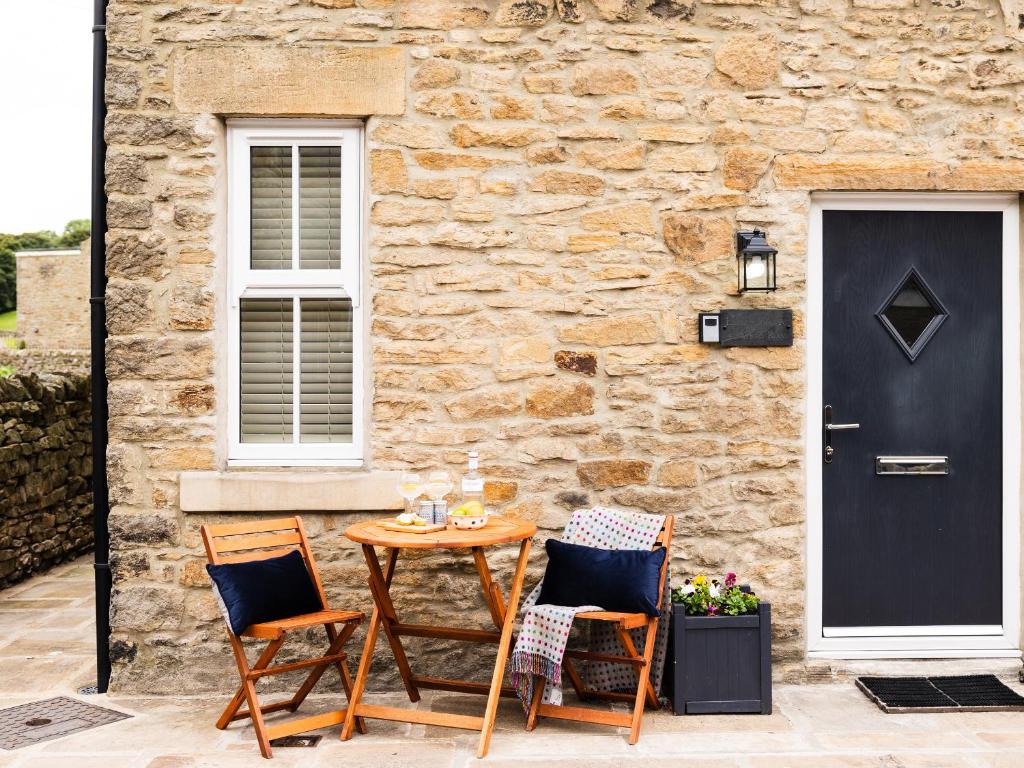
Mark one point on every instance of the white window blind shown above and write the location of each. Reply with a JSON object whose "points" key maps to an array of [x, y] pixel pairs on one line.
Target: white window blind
{"points": [[294, 208]]}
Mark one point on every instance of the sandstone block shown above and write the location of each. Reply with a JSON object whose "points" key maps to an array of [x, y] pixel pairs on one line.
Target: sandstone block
{"points": [[743, 167], [136, 255], [577, 362], [673, 71], [460, 104], [869, 172], [635, 361], [546, 153], [136, 129], [403, 213], [560, 398], [387, 171], [523, 13], [682, 159], [634, 328], [500, 491], [512, 108], [442, 14], [412, 135], [431, 352], [698, 238], [634, 217], [447, 161], [486, 135], [485, 404], [129, 213], [613, 473], [626, 108], [537, 449], [601, 78], [679, 474], [435, 73], [125, 173], [680, 134], [521, 351], [616, 10], [612, 155], [592, 243], [565, 182], [291, 80], [749, 60]]}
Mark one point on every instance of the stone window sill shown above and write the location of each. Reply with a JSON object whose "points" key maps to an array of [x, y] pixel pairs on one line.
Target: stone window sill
{"points": [[288, 491]]}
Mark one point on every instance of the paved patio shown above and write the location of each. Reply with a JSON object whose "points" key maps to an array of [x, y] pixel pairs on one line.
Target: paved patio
{"points": [[46, 646]]}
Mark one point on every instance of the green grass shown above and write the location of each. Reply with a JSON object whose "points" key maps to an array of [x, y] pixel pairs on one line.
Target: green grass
{"points": [[9, 321]]}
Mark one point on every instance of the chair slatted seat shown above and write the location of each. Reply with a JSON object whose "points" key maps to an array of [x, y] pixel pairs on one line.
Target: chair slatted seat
{"points": [[260, 540], [644, 694]]}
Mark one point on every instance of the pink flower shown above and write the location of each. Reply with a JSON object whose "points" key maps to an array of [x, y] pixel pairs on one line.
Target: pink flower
{"points": [[712, 610], [730, 579]]}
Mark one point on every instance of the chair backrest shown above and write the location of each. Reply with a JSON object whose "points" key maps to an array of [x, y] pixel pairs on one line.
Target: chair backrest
{"points": [[260, 540], [664, 540]]}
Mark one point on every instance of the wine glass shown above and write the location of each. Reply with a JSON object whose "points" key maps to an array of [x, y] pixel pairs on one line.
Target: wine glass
{"points": [[439, 484], [409, 487]]}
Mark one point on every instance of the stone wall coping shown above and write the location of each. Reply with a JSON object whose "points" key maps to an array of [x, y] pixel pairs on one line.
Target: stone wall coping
{"points": [[239, 491]]}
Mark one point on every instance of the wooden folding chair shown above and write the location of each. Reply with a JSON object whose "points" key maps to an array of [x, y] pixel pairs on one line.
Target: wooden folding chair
{"points": [[624, 622], [244, 542]]}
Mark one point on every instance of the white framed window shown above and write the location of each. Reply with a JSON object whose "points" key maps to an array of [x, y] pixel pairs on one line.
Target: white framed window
{"points": [[295, 346]]}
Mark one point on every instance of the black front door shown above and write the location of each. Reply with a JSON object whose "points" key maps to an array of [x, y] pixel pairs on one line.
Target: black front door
{"points": [[912, 352]]}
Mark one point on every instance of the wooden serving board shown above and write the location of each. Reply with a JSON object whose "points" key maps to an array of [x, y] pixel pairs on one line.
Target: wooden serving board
{"points": [[391, 525]]}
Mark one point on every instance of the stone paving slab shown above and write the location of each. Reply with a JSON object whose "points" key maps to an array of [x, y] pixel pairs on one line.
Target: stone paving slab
{"points": [[813, 726]]}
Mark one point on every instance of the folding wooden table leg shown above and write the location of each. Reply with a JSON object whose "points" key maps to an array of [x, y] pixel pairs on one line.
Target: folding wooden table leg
{"points": [[503, 649], [366, 659], [381, 596]]}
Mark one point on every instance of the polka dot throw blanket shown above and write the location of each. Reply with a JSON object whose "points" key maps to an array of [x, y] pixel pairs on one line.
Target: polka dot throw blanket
{"points": [[541, 644]]}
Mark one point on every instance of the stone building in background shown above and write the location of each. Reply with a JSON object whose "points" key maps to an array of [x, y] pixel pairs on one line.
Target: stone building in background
{"points": [[53, 298], [518, 209]]}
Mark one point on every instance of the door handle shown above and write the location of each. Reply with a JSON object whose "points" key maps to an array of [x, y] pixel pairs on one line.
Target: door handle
{"points": [[829, 429]]}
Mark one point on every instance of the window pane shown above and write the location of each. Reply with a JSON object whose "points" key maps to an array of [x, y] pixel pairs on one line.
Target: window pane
{"points": [[320, 207], [910, 312], [326, 371], [271, 207], [266, 375]]}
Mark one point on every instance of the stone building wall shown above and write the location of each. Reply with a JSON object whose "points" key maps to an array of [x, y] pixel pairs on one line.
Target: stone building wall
{"points": [[53, 298], [45, 473], [552, 197]]}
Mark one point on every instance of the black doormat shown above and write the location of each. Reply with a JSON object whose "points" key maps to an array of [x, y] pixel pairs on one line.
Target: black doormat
{"points": [[964, 693], [50, 719]]}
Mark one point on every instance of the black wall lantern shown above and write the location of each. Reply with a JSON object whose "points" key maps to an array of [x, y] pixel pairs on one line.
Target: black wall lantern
{"points": [[755, 262]]}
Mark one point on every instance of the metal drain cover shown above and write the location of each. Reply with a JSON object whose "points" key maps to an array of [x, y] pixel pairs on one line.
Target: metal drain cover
{"points": [[50, 719], [296, 741]]}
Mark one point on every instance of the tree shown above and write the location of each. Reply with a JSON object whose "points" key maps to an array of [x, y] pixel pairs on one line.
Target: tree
{"points": [[75, 232]]}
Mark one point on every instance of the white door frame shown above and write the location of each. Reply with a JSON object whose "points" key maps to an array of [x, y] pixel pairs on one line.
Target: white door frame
{"points": [[917, 642]]}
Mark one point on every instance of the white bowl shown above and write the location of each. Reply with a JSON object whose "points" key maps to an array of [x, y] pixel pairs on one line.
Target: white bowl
{"points": [[465, 523]]}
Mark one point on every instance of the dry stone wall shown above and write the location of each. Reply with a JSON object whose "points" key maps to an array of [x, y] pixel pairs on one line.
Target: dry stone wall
{"points": [[45, 473], [549, 207]]}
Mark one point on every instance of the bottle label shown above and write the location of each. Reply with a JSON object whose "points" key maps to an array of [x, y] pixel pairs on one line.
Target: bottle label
{"points": [[473, 485]]}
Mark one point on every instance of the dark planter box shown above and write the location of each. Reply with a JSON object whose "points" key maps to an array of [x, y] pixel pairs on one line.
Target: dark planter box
{"points": [[720, 664]]}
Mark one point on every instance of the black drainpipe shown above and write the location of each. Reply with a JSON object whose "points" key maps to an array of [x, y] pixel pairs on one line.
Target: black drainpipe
{"points": [[98, 330]]}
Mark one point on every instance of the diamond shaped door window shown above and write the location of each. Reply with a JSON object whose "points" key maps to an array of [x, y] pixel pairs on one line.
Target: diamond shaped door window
{"points": [[912, 314]]}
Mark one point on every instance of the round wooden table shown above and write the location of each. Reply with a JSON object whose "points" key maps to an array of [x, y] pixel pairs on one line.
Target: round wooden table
{"points": [[499, 530]]}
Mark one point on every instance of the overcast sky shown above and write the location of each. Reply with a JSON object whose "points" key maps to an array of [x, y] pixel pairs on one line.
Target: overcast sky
{"points": [[45, 102]]}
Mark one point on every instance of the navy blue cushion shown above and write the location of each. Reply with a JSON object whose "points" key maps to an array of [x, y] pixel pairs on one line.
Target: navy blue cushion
{"points": [[265, 590], [624, 580]]}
